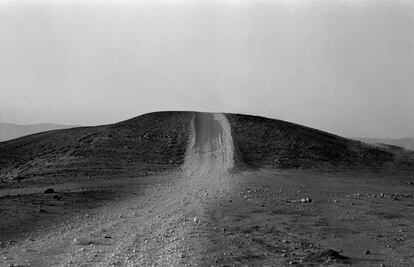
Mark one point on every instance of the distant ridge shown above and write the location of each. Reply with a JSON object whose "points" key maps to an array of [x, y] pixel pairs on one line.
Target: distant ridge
{"points": [[9, 131], [407, 142]]}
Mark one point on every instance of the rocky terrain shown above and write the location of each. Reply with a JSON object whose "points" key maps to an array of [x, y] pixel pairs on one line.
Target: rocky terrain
{"points": [[202, 189]]}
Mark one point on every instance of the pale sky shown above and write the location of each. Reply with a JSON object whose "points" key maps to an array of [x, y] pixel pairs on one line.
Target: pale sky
{"points": [[345, 67]]}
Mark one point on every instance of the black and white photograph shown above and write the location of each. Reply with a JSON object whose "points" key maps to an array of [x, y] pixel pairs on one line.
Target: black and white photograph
{"points": [[212, 133]]}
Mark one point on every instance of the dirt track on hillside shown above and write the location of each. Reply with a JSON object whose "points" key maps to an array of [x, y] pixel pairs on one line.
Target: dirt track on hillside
{"points": [[211, 214]]}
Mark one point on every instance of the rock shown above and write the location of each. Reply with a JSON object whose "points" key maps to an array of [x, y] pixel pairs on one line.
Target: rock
{"points": [[306, 200], [82, 241], [107, 236], [57, 197], [40, 210], [366, 252], [325, 255], [49, 191], [196, 220]]}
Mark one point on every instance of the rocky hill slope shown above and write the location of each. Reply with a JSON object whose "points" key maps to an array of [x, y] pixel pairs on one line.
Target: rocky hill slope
{"points": [[148, 143], [279, 144]]}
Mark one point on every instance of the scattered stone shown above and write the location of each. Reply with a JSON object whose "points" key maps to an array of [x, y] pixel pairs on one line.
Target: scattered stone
{"points": [[196, 220], [57, 197], [49, 191], [326, 255], [306, 200], [40, 210], [411, 183], [336, 201], [82, 241]]}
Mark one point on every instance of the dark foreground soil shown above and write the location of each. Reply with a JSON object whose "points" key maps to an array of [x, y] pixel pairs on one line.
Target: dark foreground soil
{"points": [[256, 218], [352, 219]]}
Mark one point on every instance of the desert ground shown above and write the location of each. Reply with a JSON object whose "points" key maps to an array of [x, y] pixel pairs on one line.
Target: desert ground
{"points": [[204, 189]]}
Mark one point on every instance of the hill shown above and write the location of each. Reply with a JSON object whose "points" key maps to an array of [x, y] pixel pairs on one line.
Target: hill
{"points": [[158, 141], [10, 131], [355, 197]]}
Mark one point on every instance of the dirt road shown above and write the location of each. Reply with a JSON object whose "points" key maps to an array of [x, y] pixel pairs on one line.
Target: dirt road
{"points": [[211, 214], [161, 226]]}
